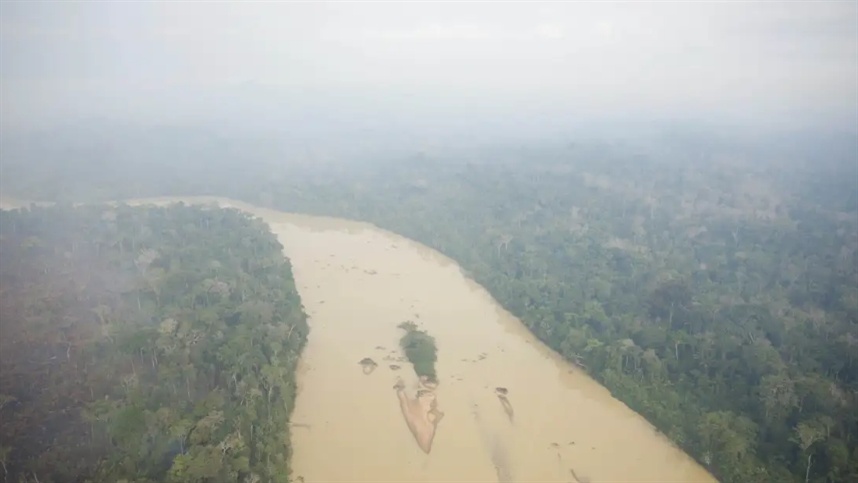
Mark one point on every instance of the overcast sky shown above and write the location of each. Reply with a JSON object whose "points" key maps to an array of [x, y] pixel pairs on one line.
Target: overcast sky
{"points": [[158, 61]]}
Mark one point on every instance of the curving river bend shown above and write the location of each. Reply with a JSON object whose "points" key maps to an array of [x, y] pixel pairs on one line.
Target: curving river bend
{"points": [[357, 283]]}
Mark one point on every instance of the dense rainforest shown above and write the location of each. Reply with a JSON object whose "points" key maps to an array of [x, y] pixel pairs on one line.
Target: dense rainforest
{"points": [[144, 344], [712, 288]]}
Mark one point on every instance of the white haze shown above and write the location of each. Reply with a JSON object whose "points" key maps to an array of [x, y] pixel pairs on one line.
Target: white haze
{"points": [[442, 66]]}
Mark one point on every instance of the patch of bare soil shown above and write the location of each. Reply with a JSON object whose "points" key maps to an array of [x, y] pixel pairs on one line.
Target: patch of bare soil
{"points": [[420, 412]]}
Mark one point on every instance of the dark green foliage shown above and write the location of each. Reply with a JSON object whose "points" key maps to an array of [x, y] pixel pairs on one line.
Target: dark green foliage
{"points": [[146, 344], [714, 292], [420, 350], [713, 300]]}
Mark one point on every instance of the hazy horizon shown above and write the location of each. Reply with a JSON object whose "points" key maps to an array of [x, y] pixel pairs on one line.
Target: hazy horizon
{"points": [[433, 67]]}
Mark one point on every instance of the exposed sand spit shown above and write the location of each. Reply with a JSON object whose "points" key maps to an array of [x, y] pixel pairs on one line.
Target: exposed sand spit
{"points": [[421, 413]]}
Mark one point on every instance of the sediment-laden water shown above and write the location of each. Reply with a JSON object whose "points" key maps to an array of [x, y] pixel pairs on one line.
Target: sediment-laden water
{"points": [[512, 409]]}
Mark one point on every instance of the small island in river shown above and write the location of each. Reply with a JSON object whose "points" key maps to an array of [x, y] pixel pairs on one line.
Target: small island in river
{"points": [[420, 412], [419, 348]]}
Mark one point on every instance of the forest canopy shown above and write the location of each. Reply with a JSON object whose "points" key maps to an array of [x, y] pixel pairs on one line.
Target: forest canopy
{"points": [[145, 344], [711, 287]]}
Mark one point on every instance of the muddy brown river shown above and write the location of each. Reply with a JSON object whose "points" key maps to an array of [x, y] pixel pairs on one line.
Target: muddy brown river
{"points": [[552, 423]]}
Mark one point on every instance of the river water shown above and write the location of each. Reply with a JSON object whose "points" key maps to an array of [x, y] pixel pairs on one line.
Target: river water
{"points": [[357, 283]]}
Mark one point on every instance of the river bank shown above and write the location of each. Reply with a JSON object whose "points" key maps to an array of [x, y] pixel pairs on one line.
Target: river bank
{"points": [[357, 283]]}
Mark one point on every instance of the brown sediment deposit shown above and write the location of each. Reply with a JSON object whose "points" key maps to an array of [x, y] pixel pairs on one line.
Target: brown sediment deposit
{"points": [[368, 365], [428, 383], [421, 414]]}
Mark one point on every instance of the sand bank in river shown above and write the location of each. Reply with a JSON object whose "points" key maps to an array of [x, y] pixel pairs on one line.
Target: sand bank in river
{"points": [[420, 412]]}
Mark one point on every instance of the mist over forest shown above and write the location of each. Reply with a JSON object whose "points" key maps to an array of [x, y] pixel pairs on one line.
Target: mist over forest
{"points": [[664, 194]]}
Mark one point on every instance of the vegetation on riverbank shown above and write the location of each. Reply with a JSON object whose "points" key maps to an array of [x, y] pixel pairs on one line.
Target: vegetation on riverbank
{"points": [[145, 344], [712, 291], [724, 313], [723, 310], [419, 348]]}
